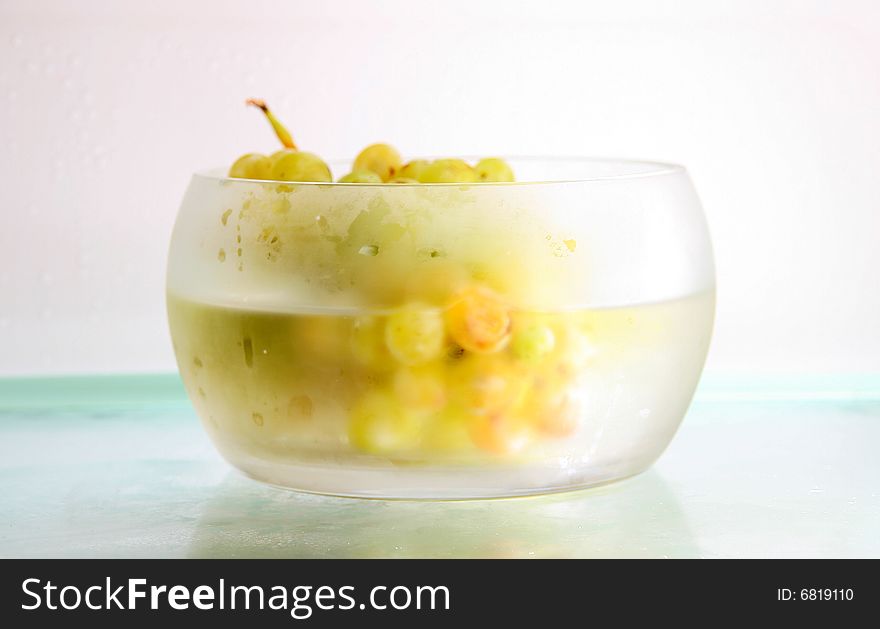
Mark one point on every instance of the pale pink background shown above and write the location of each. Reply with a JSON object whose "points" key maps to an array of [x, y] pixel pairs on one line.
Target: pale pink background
{"points": [[106, 107]]}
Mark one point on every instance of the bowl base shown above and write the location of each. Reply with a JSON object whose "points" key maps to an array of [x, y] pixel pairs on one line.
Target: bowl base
{"points": [[409, 483]]}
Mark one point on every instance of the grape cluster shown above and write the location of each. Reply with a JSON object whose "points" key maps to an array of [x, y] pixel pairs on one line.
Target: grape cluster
{"points": [[473, 374], [440, 375], [378, 163]]}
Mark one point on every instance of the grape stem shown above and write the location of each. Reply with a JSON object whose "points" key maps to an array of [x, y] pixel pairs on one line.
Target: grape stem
{"points": [[282, 133]]}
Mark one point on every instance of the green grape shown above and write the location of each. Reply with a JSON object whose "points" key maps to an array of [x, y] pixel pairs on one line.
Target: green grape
{"points": [[403, 180], [251, 166], [380, 426], [361, 176], [415, 335], [382, 159], [414, 168], [300, 166], [372, 229], [448, 171], [493, 169], [533, 342]]}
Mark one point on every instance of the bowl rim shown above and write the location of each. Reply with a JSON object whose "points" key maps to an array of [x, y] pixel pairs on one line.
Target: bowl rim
{"points": [[651, 169]]}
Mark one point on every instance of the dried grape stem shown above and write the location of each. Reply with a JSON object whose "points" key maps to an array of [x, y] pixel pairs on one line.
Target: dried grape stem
{"points": [[282, 133]]}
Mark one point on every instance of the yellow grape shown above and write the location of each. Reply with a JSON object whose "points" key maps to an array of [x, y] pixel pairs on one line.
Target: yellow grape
{"points": [[251, 166], [380, 426], [279, 154], [486, 384], [369, 234], [361, 176], [414, 334], [382, 159], [576, 351], [479, 321], [420, 389], [554, 410], [413, 169], [447, 432], [499, 433], [493, 169], [300, 166], [448, 171], [403, 180]]}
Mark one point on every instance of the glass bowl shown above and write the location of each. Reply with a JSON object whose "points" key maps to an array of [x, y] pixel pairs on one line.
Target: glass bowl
{"points": [[443, 340]]}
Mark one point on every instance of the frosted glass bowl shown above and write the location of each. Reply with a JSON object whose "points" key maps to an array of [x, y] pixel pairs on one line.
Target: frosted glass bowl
{"points": [[443, 340]]}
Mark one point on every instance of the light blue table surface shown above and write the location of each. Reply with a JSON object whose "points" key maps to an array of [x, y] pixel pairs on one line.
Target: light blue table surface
{"points": [[118, 466]]}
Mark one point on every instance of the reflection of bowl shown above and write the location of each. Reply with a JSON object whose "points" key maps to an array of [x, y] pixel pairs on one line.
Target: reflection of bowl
{"points": [[638, 518], [443, 340]]}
